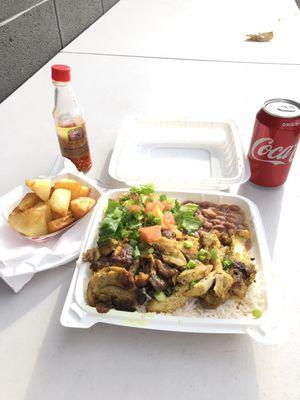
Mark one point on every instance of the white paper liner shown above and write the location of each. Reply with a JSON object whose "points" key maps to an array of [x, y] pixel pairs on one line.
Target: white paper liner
{"points": [[21, 257]]}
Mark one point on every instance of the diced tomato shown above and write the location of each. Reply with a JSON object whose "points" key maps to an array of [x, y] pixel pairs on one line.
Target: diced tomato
{"points": [[150, 233], [166, 205], [134, 208], [153, 196], [168, 220], [150, 205]]}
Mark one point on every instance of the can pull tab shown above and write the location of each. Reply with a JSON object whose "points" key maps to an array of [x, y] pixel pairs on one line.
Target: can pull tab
{"points": [[286, 108]]}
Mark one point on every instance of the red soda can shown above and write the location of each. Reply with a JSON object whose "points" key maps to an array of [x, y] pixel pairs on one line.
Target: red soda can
{"points": [[274, 141]]}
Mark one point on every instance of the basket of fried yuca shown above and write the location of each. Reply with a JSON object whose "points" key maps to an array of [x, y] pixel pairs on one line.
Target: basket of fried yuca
{"points": [[52, 206]]}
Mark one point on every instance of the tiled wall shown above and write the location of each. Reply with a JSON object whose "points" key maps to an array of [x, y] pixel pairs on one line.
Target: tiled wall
{"points": [[33, 31]]}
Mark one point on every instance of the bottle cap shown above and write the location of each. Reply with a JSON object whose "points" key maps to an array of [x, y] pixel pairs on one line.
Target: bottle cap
{"points": [[61, 73]]}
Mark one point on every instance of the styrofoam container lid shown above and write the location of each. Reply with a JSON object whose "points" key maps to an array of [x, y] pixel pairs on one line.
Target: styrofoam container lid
{"points": [[179, 154]]}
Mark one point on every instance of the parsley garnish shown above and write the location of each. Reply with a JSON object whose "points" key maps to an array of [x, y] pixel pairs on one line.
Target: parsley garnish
{"points": [[185, 217]]}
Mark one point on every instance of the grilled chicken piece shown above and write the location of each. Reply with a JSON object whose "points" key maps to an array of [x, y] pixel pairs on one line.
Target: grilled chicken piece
{"points": [[91, 255], [141, 279], [170, 251], [112, 287], [240, 243], [100, 263], [170, 304], [219, 292], [181, 293], [158, 283], [202, 287], [107, 249], [193, 251], [210, 242], [123, 255], [243, 271], [177, 233], [167, 233], [223, 284], [243, 275], [164, 270], [195, 274]]}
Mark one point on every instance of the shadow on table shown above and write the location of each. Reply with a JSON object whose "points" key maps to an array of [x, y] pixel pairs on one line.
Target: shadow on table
{"points": [[111, 362], [13, 306], [269, 202]]}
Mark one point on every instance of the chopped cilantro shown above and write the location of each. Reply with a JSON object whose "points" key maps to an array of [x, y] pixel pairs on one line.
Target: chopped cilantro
{"points": [[142, 189], [189, 208], [133, 242], [185, 217], [162, 197], [118, 223]]}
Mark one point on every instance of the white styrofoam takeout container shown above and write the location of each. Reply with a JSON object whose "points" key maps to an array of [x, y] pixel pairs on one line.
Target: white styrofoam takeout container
{"points": [[83, 180], [78, 314], [188, 160], [185, 155]]}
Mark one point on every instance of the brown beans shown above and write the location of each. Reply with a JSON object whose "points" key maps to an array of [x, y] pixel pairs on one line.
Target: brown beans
{"points": [[234, 218], [207, 224], [219, 227], [206, 204], [229, 225], [221, 218], [209, 213], [217, 221], [233, 207], [223, 207]]}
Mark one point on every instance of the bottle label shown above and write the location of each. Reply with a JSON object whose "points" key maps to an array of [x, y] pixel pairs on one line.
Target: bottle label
{"points": [[73, 141]]}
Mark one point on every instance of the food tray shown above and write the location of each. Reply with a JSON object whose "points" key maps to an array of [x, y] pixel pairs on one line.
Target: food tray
{"points": [[179, 154], [77, 314]]}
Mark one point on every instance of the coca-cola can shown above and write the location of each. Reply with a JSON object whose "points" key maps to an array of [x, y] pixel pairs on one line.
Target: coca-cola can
{"points": [[274, 141]]}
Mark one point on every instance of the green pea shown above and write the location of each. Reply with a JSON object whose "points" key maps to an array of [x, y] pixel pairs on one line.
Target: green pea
{"points": [[257, 313], [187, 244], [191, 264]]}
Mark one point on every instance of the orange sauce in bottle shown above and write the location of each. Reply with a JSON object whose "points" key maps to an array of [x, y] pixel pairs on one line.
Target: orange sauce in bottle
{"points": [[69, 121], [73, 143]]}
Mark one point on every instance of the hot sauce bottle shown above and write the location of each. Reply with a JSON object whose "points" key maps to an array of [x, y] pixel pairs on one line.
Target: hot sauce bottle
{"points": [[69, 120]]}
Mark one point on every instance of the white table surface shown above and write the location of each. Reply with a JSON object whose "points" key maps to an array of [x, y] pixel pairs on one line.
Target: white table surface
{"points": [[196, 29], [41, 359]]}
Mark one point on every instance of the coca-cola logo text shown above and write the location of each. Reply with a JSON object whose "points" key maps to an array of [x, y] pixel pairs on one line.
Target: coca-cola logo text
{"points": [[263, 150]]}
